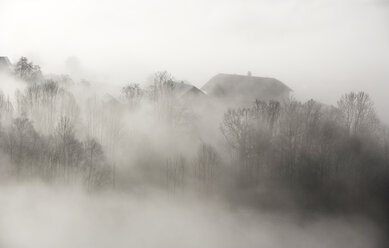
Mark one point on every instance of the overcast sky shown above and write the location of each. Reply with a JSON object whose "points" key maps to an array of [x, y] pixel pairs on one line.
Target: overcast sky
{"points": [[320, 48]]}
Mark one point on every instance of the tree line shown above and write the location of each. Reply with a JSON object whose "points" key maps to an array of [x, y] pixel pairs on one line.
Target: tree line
{"points": [[327, 157], [38, 135]]}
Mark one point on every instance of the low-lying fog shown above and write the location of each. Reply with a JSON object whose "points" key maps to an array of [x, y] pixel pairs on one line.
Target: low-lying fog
{"points": [[38, 215]]}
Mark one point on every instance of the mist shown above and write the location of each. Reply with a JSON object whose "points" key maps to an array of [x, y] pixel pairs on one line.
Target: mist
{"points": [[194, 123], [69, 217]]}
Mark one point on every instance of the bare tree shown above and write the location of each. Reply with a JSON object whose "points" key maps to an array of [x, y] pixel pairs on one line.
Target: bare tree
{"points": [[69, 149], [163, 86], [175, 173], [95, 167], [6, 109], [357, 112], [132, 94], [206, 164], [27, 70]]}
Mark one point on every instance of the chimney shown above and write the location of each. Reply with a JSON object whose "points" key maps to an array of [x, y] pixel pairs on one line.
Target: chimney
{"points": [[249, 73]]}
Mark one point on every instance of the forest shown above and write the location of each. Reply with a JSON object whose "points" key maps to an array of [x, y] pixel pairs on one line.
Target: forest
{"points": [[279, 156]]}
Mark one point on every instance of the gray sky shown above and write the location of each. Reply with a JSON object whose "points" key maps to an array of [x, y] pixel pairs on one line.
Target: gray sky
{"points": [[320, 48]]}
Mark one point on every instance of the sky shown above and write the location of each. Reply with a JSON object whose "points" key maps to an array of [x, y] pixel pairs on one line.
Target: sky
{"points": [[319, 48]]}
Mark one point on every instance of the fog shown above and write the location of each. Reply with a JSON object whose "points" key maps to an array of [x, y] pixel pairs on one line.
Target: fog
{"points": [[194, 123], [35, 215]]}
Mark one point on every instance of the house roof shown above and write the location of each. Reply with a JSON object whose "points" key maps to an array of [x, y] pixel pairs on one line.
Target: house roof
{"points": [[232, 85], [4, 62], [184, 89]]}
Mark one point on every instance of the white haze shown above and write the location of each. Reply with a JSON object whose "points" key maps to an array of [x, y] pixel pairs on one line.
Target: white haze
{"points": [[320, 48], [70, 217]]}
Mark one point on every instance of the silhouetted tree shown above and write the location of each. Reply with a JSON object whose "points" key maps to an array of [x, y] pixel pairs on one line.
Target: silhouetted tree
{"points": [[206, 164], [27, 71], [95, 166], [132, 94], [357, 112]]}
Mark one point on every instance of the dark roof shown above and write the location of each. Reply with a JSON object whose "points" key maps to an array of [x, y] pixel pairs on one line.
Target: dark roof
{"points": [[110, 100], [245, 87], [4, 62], [186, 89], [194, 91]]}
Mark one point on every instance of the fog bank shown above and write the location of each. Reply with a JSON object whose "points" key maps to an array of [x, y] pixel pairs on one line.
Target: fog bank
{"points": [[35, 215]]}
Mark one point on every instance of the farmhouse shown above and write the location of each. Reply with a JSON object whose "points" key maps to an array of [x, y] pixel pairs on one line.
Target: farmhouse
{"points": [[245, 89]]}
